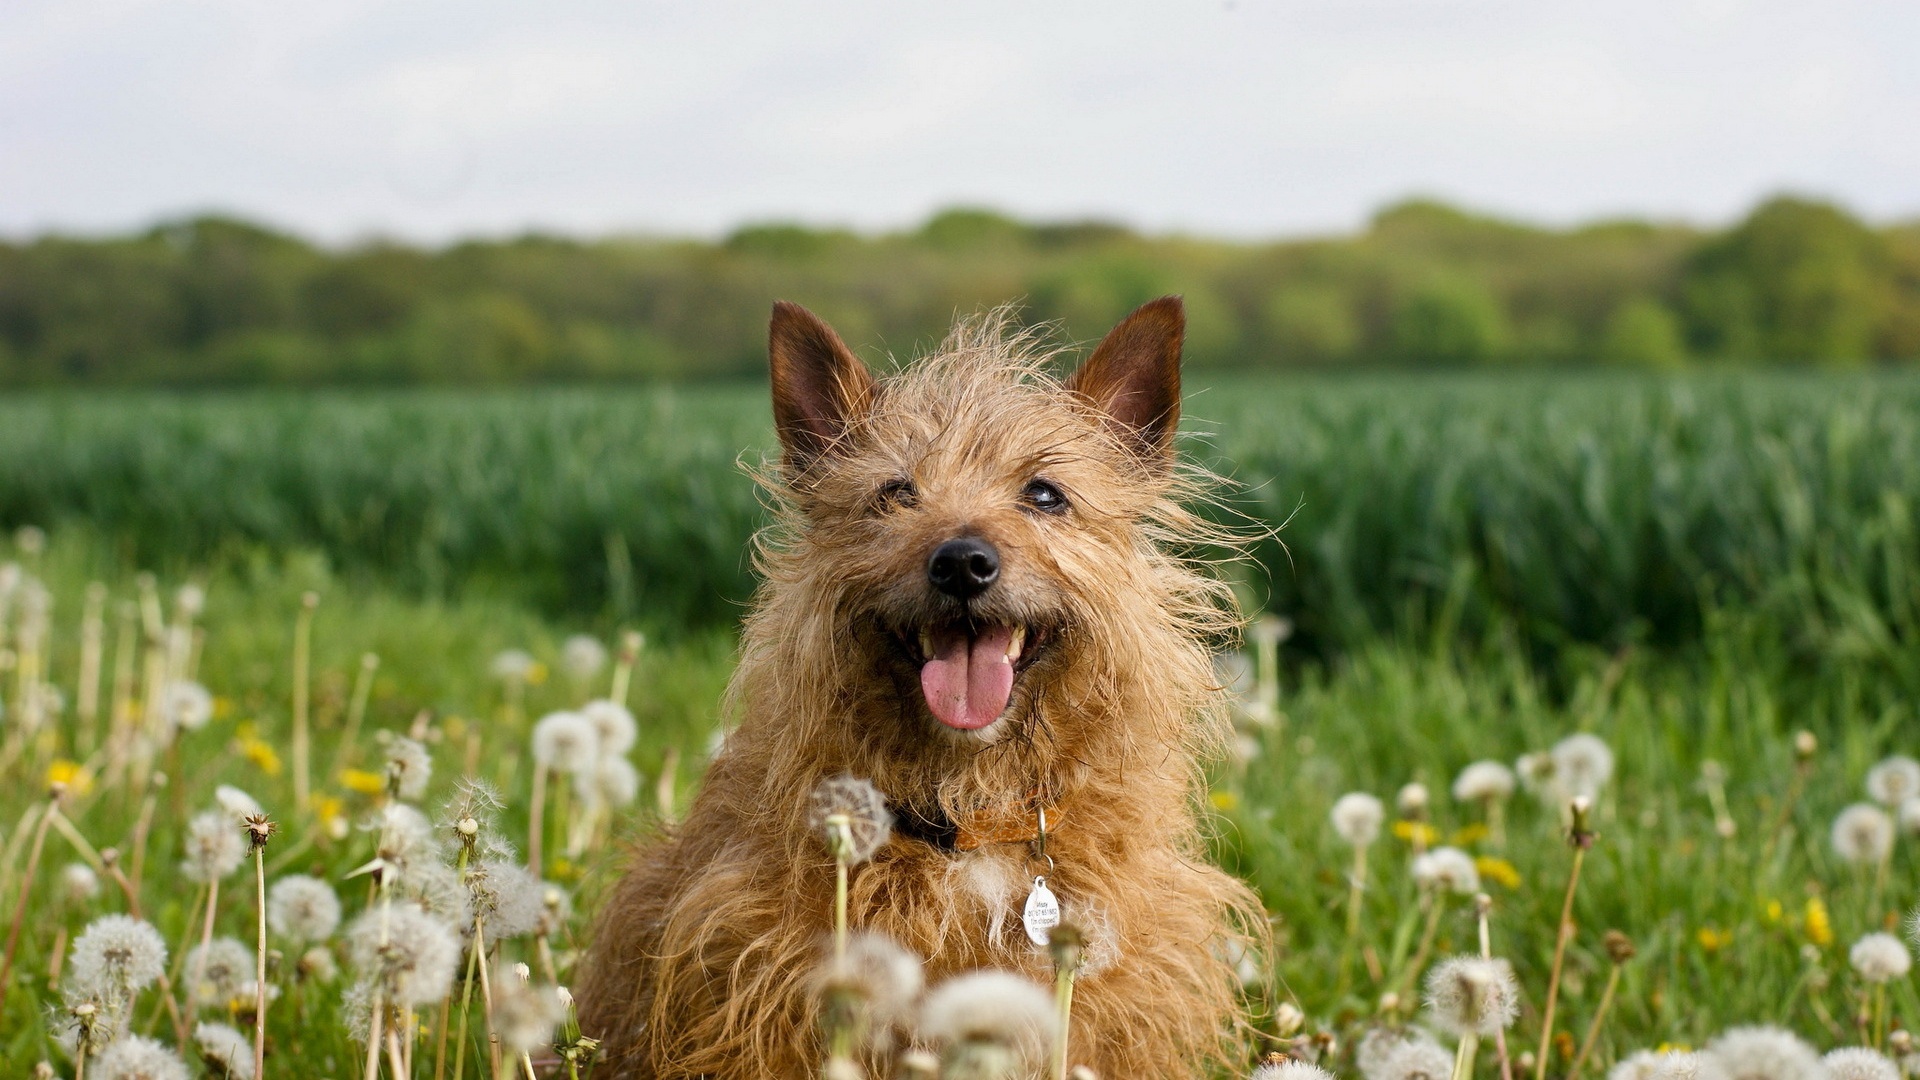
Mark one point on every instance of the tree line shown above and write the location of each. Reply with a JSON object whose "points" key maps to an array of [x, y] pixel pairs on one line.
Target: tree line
{"points": [[218, 301]]}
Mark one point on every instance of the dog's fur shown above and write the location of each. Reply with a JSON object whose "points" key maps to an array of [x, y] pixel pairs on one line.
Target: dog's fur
{"points": [[701, 962]]}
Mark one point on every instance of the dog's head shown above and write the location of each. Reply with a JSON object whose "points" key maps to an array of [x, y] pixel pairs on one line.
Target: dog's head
{"points": [[982, 539]]}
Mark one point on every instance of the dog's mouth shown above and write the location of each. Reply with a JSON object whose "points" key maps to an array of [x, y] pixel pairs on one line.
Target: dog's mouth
{"points": [[968, 670]]}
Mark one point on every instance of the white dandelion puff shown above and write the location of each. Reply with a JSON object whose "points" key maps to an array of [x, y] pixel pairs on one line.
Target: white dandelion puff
{"points": [[1582, 765], [1380, 1047], [507, 896], [1894, 780], [79, 885], [1414, 1059], [318, 965], [186, 705], [216, 970], [1863, 833], [885, 976], [512, 665], [415, 962], [136, 1057], [867, 822], [1909, 813], [525, 1015], [1447, 869], [115, 954], [1412, 801], [613, 724], [609, 781], [1293, 1070], [1879, 958], [1638, 1065], [1683, 1065], [1860, 1063], [226, 1050], [237, 803], [565, 742], [303, 909], [1535, 772], [1766, 1053], [1473, 994], [1483, 781], [988, 1012], [408, 764], [582, 656], [1357, 817], [215, 848]]}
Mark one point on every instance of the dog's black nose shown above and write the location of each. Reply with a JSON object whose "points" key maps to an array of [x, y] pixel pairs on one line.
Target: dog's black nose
{"points": [[963, 568]]}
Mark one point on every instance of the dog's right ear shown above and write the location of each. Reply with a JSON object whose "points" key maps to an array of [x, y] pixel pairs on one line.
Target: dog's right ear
{"points": [[819, 386]]}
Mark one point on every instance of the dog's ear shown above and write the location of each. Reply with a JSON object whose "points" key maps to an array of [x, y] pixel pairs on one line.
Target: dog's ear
{"points": [[819, 386], [1134, 377]]}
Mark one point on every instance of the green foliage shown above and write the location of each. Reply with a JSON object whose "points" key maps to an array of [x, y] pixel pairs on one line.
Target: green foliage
{"points": [[217, 301], [1644, 334]]}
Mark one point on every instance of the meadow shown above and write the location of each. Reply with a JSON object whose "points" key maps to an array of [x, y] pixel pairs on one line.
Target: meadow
{"points": [[1713, 577]]}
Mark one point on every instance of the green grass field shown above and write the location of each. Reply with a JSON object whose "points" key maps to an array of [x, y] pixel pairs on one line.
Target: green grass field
{"points": [[1693, 571]]}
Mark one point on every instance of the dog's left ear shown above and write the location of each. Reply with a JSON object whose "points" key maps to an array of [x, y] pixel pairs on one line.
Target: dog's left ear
{"points": [[1134, 377], [819, 386]]}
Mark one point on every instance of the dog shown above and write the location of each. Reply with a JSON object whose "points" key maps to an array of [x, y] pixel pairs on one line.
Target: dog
{"points": [[979, 594]]}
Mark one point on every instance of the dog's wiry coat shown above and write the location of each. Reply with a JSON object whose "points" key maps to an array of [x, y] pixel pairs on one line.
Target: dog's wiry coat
{"points": [[702, 958]]}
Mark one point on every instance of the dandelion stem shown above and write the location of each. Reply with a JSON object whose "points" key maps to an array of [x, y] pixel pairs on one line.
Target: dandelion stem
{"points": [[840, 909], [260, 964], [1464, 1055], [1063, 999], [1599, 1018], [1483, 908], [206, 939], [26, 888], [1432, 929], [1561, 937], [536, 818], [356, 714], [302, 745], [1356, 893]]}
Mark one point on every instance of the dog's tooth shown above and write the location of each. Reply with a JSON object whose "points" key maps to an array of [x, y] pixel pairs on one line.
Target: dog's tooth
{"points": [[1016, 643]]}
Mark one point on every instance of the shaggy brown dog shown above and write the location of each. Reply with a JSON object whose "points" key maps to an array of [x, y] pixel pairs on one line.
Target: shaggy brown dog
{"points": [[973, 597]]}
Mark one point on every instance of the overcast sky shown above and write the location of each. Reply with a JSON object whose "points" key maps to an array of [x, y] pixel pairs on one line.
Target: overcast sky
{"points": [[434, 119]]}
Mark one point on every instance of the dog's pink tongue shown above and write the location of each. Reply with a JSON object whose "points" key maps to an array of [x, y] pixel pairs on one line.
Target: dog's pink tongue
{"points": [[968, 682]]}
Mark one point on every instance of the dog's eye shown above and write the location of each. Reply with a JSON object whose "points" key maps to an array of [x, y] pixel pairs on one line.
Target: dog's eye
{"points": [[895, 493], [1043, 496]]}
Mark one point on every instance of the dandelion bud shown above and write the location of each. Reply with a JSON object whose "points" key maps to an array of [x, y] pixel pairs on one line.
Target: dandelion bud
{"points": [[1471, 994], [1860, 1063], [1066, 945], [1412, 801], [1619, 947], [258, 831], [1900, 1041], [1288, 1019], [1525, 1062], [1482, 905], [1389, 1002], [523, 971], [565, 996], [851, 816]]}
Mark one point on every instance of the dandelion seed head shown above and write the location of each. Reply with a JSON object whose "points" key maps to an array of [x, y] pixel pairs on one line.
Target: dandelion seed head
{"points": [[1357, 817], [525, 1015], [356, 1009], [1099, 941], [1863, 833], [1765, 1053], [1412, 800], [1378, 1048], [507, 896], [437, 888], [1638, 1065], [78, 884], [556, 907], [416, 962], [221, 966], [1472, 994], [868, 823], [1483, 781], [1894, 780], [609, 781], [474, 800], [997, 1008], [318, 964], [582, 656], [565, 742], [511, 665], [1292, 1070], [612, 724], [1448, 869], [136, 1057], [1683, 1065], [215, 847], [1535, 772], [1879, 958], [885, 976], [186, 705], [235, 802], [408, 763], [1415, 1059], [406, 838], [303, 909], [1582, 765], [1909, 814], [226, 1050], [115, 953], [1860, 1063]]}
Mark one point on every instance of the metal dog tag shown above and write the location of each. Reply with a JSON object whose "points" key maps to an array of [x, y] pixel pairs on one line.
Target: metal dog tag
{"points": [[1042, 912]]}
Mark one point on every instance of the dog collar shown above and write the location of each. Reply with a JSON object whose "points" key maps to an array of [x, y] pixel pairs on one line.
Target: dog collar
{"points": [[1015, 824]]}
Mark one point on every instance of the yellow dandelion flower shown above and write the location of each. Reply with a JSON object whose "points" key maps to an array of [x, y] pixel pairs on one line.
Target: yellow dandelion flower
{"points": [[1818, 923], [562, 869], [222, 707], [1713, 940], [362, 781], [70, 773], [536, 673], [261, 753], [1774, 912], [1470, 835], [1224, 800], [1498, 870], [454, 726], [1408, 830]]}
